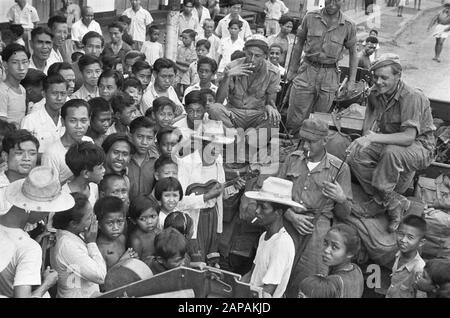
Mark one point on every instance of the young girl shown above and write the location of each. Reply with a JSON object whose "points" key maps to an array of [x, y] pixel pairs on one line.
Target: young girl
{"points": [[318, 286], [168, 192], [435, 280], [400, 5], [144, 216], [341, 244], [186, 54]]}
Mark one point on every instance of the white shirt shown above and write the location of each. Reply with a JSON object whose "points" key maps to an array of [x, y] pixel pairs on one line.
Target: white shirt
{"points": [[185, 23], [55, 157], [24, 269], [152, 51], [139, 22], [83, 93], [25, 17], [273, 261], [93, 191], [80, 266], [55, 57], [151, 94], [79, 29], [33, 107], [226, 48], [205, 15], [12, 105], [42, 126], [275, 10], [222, 28], [4, 204]]}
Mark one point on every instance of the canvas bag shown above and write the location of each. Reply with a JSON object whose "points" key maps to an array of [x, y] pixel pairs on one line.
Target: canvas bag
{"points": [[434, 192], [337, 141], [437, 244]]}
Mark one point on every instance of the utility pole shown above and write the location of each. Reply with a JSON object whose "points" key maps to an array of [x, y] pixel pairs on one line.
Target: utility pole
{"points": [[171, 29]]}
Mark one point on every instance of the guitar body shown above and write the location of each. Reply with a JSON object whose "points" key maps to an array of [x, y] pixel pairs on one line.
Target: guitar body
{"points": [[201, 188]]}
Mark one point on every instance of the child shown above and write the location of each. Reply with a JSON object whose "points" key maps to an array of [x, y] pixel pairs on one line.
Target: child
{"points": [[318, 286], [114, 185], [230, 44], [275, 254], [166, 140], [152, 49], [130, 58], [143, 72], [209, 95], [126, 37], [260, 30], [206, 69], [140, 19], [164, 167], [408, 265], [141, 166], [133, 87], [401, 4], [374, 56], [109, 83], [191, 76], [144, 216], [274, 9], [170, 251], [34, 87], [117, 48], [186, 54], [186, 18], [168, 192], [124, 112], [163, 112], [435, 280], [235, 8], [101, 118], [275, 52], [85, 160], [341, 244], [17, 31], [196, 110], [91, 69], [208, 34], [110, 213], [26, 15]]}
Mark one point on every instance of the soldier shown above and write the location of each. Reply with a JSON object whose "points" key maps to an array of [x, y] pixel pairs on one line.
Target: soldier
{"points": [[322, 36], [313, 170]]}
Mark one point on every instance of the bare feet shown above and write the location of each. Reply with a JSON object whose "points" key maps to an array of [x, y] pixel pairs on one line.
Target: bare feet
{"points": [[436, 59]]}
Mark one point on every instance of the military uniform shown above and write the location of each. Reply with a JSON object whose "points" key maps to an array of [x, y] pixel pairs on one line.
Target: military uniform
{"points": [[317, 79], [307, 190]]}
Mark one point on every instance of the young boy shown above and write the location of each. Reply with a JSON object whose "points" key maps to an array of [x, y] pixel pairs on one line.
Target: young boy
{"points": [[276, 251], [230, 44], [33, 84], [124, 112], [133, 87], [196, 110], [143, 72], [259, 29], [141, 166], [111, 239], [75, 118], [274, 9], [26, 15], [152, 49], [117, 47], [408, 265], [109, 83], [114, 185], [186, 54], [140, 19], [164, 167], [191, 76], [170, 251], [275, 52], [209, 95], [206, 70], [91, 69], [208, 34], [186, 18], [130, 58], [101, 117], [166, 140], [163, 112], [85, 160], [126, 37], [235, 8]]}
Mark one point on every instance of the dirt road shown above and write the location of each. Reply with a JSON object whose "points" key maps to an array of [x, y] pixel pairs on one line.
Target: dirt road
{"points": [[416, 49]]}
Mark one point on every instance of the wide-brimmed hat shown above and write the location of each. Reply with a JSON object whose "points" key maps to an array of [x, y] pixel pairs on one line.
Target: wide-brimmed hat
{"points": [[7, 249], [213, 131], [275, 190], [40, 191]]}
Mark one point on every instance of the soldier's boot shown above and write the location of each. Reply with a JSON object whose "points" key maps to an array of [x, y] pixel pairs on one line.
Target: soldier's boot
{"points": [[396, 205]]}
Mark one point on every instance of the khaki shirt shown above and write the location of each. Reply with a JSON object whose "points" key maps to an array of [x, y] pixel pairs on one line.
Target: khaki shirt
{"points": [[325, 45], [408, 107], [307, 188], [250, 92], [404, 277]]}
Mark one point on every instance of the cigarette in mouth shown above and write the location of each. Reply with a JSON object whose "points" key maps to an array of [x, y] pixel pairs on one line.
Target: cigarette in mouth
{"points": [[254, 220], [307, 154]]}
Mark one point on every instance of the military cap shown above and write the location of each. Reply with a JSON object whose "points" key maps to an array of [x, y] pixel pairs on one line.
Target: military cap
{"points": [[314, 129], [258, 42], [385, 60]]}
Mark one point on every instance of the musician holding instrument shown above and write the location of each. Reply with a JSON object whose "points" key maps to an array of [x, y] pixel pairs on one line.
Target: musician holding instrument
{"points": [[322, 36], [398, 139], [322, 185]]}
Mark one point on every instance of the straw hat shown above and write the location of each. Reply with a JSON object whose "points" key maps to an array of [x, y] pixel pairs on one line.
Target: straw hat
{"points": [[7, 249], [40, 191], [275, 190], [213, 131]]}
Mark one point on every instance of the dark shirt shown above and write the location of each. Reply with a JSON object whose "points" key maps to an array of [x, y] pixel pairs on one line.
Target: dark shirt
{"points": [[408, 107], [108, 51], [325, 45], [142, 176], [353, 282], [128, 39]]}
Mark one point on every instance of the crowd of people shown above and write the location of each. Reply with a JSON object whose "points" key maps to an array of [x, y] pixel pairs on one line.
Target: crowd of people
{"points": [[112, 152]]}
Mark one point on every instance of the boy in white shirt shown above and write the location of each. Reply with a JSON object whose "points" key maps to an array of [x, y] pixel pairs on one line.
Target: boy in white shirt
{"points": [[140, 19], [83, 26], [208, 34], [230, 44], [152, 49], [275, 254], [235, 8], [25, 14], [274, 9]]}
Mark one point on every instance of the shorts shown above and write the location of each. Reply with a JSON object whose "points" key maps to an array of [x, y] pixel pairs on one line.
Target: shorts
{"points": [[439, 31]]}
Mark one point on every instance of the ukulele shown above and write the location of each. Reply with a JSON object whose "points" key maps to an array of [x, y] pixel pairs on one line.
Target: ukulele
{"points": [[229, 189]]}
